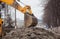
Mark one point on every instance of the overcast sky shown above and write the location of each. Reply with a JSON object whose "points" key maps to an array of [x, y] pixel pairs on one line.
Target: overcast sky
{"points": [[36, 6]]}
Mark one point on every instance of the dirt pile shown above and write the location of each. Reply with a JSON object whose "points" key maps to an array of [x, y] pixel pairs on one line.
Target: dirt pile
{"points": [[30, 33]]}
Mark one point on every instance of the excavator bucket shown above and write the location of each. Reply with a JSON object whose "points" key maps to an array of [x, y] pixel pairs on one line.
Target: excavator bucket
{"points": [[30, 20]]}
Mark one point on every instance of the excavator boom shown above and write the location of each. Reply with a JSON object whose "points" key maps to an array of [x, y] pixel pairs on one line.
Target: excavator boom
{"points": [[14, 4]]}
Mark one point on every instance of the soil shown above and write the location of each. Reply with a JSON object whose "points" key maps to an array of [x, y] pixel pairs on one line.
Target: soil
{"points": [[31, 33]]}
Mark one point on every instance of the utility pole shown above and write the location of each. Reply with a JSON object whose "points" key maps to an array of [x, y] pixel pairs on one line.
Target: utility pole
{"points": [[15, 17]]}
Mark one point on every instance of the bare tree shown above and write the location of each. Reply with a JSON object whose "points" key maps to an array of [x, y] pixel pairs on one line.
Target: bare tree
{"points": [[52, 13]]}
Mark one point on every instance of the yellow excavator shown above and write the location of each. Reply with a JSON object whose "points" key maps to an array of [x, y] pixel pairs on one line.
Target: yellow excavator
{"points": [[29, 19]]}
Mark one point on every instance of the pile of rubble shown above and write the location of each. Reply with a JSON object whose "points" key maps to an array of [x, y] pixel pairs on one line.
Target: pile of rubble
{"points": [[30, 33]]}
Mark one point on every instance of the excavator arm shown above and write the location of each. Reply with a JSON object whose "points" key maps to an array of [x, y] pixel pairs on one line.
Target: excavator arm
{"points": [[14, 4], [29, 18]]}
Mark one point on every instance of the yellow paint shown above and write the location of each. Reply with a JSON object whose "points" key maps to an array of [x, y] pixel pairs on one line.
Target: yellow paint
{"points": [[20, 8], [1, 26], [24, 9], [0, 21], [9, 2]]}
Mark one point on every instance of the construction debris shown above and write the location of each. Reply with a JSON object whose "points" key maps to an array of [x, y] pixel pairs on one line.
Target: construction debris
{"points": [[30, 33]]}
